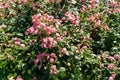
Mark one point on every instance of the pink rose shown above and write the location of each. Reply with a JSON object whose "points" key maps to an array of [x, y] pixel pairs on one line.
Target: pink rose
{"points": [[110, 66], [111, 58], [39, 57], [84, 47], [111, 78], [48, 42], [17, 43], [106, 27], [52, 60], [53, 67], [58, 37], [19, 78], [116, 56], [3, 26], [25, 1], [36, 60], [36, 32], [113, 3]]}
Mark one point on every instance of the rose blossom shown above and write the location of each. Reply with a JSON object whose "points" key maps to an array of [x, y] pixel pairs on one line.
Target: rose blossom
{"points": [[25, 1], [106, 27], [39, 57], [48, 42], [63, 50], [111, 58], [72, 18], [52, 57], [110, 66], [30, 30], [3, 26], [36, 60], [84, 47], [19, 78], [113, 3], [111, 78], [16, 41], [53, 69], [52, 60], [58, 37], [116, 56], [49, 30], [36, 17]]}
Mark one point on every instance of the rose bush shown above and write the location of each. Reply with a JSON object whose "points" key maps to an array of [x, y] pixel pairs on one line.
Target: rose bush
{"points": [[59, 40]]}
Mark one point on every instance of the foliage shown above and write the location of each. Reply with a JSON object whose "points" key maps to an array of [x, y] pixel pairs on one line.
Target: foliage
{"points": [[59, 40]]}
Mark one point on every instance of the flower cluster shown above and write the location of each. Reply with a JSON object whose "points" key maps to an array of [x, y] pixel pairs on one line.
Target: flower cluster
{"points": [[18, 42], [48, 42], [93, 4], [114, 7], [74, 19], [95, 18], [46, 23]]}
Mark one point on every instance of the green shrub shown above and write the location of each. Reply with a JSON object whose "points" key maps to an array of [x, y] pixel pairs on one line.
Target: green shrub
{"points": [[59, 40]]}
